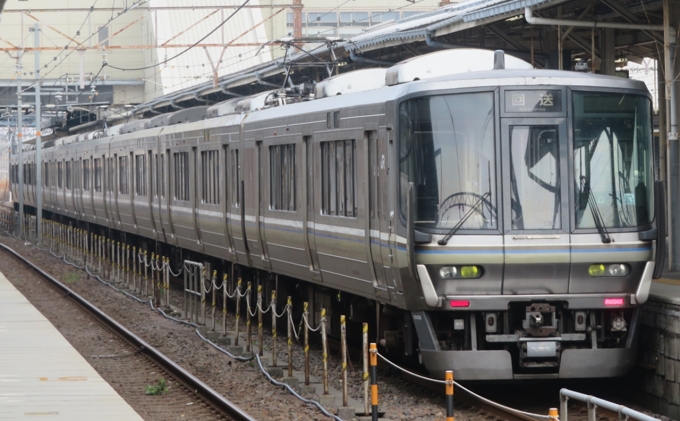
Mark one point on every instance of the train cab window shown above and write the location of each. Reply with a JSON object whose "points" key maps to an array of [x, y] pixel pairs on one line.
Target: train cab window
{"points": [[282, 177], [613, 160], [140, 175], [210, 177], [338, 178], [181, 172], [447, 150], [123, 175], [60, 175], [97, 174]]}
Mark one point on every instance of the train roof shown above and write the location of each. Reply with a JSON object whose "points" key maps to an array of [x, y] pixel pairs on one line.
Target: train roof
{"points": [[441, 70]]}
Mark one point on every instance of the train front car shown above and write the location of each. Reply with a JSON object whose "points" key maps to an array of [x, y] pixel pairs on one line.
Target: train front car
{"points": [[530, 211]]}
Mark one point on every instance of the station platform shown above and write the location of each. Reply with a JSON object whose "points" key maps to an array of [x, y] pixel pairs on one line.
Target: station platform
{"points": [[666, 289], [42, 375]]}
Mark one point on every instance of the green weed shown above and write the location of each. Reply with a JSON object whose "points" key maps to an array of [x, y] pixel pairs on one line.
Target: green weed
{"points": [[160, 389]]}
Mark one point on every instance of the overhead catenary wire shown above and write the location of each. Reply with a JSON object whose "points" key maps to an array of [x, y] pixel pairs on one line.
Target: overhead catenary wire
{"points": [[71, 51], [188, 48]]}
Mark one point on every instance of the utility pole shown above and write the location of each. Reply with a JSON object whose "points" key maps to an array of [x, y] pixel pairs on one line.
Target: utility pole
{"points": [[20, 145], [38, 139]]}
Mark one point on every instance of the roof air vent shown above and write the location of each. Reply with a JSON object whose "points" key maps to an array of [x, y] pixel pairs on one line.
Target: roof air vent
{"points": [[498, 60], [188, 115], [223, 108], [252, 103], [356, 81], [447, 62]]}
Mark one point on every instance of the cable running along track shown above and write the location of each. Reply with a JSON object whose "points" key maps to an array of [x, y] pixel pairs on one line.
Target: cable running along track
{"points": [[208, 393]]}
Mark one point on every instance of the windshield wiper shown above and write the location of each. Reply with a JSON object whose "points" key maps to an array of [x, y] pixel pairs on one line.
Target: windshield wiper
{"points": [[595, 210], [465, 217]]}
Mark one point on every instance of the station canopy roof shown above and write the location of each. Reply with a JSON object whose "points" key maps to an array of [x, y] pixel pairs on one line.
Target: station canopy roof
{"points": [[488, 24]]}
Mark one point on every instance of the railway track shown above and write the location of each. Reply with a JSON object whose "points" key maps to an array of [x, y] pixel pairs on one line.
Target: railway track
{"points": [[215, 405], [468, 405]]}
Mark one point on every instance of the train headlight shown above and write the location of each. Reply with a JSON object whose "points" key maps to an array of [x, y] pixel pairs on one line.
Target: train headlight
{"points": [[458, 272], [448, 272], [613, 270], [596, 270], [619, 269], [470, 272]]}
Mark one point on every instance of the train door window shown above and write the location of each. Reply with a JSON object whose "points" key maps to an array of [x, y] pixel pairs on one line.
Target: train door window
{"points": [[162, 175], [46, 174], [282, 177], [60, 176], [68, 175], [535, 177], [97, 174], [225, 172], [86, 174], [140, 175], [181, 171], [235, 198], [109, 174], [210, 176], [338, 178], [123, 177], [155, 175]]}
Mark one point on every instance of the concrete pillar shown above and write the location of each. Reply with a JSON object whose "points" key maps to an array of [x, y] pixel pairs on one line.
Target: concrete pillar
{"points": [[608, 51]]}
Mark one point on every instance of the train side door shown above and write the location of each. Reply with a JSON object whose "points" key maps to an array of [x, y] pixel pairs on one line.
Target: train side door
{"points": [[374, 190], [536, 213], [312, 173]]}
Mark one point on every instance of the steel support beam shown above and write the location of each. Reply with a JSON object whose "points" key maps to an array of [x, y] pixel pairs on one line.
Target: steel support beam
{"points": [[505, 37]]}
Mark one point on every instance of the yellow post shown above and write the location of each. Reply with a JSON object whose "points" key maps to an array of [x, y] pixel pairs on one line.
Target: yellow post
{"points": [[449, 396], [373, 361]]}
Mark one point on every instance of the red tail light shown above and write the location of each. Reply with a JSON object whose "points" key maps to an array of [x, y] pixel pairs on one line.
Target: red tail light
{"points": [[459, 303], [614, 302]]}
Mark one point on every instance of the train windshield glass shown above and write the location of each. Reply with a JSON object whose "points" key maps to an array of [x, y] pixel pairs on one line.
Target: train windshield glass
{"points": [[612, 159], [447, 150]]}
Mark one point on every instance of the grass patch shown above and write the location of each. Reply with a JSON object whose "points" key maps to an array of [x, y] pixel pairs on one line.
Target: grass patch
{"points": [[72, 277], [158, 389]]}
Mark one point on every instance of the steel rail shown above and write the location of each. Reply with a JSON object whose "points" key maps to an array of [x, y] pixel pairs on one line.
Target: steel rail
{"points": [[176, 370]]}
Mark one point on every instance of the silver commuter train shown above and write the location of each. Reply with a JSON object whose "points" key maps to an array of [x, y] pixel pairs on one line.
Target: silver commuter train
{"points": [[508, 221]]}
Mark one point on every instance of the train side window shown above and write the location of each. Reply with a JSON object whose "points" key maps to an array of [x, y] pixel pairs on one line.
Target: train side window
{"points": [[60, 176], [140, 175], [86, 174], [282, 177], [181, 171], [338, 178], [329, 120], [123, 178], [336, 119], [235, 198], [210, 177]]}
